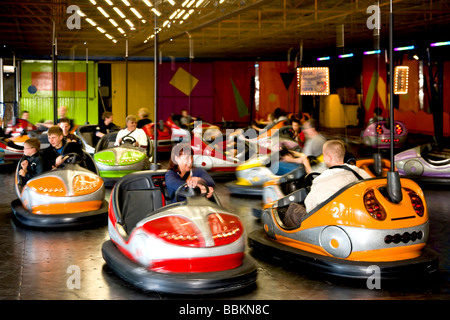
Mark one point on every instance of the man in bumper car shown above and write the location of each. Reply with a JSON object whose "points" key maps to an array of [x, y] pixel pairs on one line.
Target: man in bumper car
{"points": [[313, 147], [337, 176], [132, 131], [59, 148]]}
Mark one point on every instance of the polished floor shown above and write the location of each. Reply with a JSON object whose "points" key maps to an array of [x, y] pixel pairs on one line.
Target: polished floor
{"points": [[37, 265]]}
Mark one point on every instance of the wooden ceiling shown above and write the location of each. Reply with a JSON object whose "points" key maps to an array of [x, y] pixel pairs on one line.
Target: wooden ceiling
{"points": [[212, 29]]}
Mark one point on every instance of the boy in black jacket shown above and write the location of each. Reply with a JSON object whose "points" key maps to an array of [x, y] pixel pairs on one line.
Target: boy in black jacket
{"points": [[31, 163], [58, 150]]}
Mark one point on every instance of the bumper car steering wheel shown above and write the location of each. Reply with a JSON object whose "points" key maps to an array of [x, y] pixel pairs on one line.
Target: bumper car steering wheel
{"points": [[186, 191]]}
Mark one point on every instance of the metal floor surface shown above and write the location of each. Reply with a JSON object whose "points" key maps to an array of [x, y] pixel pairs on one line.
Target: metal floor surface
{"points": [[35, 265]]}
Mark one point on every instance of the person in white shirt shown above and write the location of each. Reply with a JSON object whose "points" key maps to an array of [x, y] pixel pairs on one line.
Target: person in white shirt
{"points": [[335, 177], [330, 181], [132, 131]]}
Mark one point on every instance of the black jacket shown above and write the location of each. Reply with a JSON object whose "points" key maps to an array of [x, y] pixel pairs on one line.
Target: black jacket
{"points": [[35, 167], [50, 154]]}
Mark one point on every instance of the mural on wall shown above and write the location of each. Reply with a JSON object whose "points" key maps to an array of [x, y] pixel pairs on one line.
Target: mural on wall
{"points": [[37, 90], [233, 98], [276, 89], [374, 85], [184, 85]]}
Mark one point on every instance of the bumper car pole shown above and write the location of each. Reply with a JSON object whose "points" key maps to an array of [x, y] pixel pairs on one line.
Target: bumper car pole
{"points": [[394, 187]]}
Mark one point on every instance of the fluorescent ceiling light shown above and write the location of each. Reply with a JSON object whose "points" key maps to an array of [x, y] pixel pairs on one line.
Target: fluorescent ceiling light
{"points": [[108, 36], [126, 2], [129, 23], [372, 52], [440, 44], [114, 23], [93, 2], [199, 2], [92, 22], [101, 30], [171, 2], [404, 48], [109, 2], [148, 3], [347, 55], [103, 12], [174, 14], [156, 12], [121, 30], [323, 58], [136, 13], [117, 10]]}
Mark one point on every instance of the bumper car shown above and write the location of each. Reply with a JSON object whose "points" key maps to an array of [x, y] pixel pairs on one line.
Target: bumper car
{"points": [[375, 166], [190, 247], [11, 150], [253, 175], [358, 227], [114, 162], [378, 134], [71, 196], [5, 165], [164, 136], [425, 164], [210, 152], [86, 133]]}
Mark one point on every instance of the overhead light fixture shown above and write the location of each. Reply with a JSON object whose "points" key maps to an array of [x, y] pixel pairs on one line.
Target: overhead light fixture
{"points": [[347, 55], [404, 48], [103, 12], [156, 12], [114, 40], [109, 2], [121, 30], [114, 23], [93, 2], [108, 36], [101, 30], [136, 13], [126, 2], [92, 22], [184, 4], [440, 44], [120, 13], [174, 14], [372, 52], [323, 58], [199, 2], [129, 23], [180, 13], [148, 3], [81, 13], [171, 2]]}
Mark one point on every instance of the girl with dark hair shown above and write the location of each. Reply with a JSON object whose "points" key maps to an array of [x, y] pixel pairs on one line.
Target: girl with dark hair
{"points": [[180, 171]]}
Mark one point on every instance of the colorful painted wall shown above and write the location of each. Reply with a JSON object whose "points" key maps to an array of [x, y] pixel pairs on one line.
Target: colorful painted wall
{"points": [[217, 91], [37, 90], [417, 116]]}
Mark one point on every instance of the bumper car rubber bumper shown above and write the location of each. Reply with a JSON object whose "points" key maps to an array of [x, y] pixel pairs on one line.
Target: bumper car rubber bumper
{"points": [[25, 217], [179, 283], [425, 265]]}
